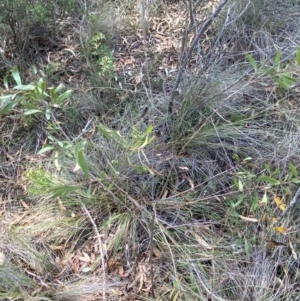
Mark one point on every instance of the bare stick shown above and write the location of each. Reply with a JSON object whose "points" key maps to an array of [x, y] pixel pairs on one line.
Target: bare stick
{"points": [[100, 247], [293, 202], [190, 51], [151, 251]]}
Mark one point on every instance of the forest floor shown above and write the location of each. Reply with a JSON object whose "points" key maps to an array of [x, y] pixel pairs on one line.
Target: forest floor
{"points": [[122, 180]]}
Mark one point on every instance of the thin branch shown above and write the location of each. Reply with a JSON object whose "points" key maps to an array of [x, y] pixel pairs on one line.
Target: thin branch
{"points": [[151, 250], [100, 247], [292, 204], [190, 51]]}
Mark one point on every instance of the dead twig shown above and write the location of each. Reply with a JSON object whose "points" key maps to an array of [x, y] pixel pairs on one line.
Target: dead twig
{"points": [[100, 247], [187, 57]]}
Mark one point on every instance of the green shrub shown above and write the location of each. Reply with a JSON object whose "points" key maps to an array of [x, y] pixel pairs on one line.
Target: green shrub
{"points": [[29, 18], [101, 54]]}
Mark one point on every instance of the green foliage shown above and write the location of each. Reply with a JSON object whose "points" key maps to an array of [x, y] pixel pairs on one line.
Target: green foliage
{"points": [[23, 16], [101, 54], [282, 75], [41, 179], [34, 98], [264, 183], [80, 159], [135, 143]]}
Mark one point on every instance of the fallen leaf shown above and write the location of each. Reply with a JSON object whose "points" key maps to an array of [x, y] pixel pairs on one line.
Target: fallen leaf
{"points": [[156, 253], [279, 202], [280, 229], [273, 243], [249, 219], [201, 241], [24, 205]]}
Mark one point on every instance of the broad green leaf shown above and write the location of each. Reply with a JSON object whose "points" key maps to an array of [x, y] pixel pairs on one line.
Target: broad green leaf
{"points": [[80, 159], [34, 111], [298, 56], [45, 149], [64, 190], [296, 181], [63, 96], [268, 180], [16, 75]]}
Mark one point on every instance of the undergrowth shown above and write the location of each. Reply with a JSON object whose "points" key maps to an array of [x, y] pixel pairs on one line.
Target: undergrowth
{"points": [[107, 194]]}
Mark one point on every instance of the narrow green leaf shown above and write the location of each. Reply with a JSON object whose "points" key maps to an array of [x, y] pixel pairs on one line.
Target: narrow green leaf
{"points": [[264, 199], [9, 106], [293, 170], [289, 81], [143, 169], [60, 143], [246, 246], [268, 180], [252, 61], [34, 69], [45, 149], [16, 75], [25, 87], [42, 86], [47, 114], [6, 97], [298, 56], [34, 111], [277, 60], [80, 159], [241, 186], [113, 135], [63, 190], [5, 82], [59, 88], [53, 94], [254, 204], [240, 200]]}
